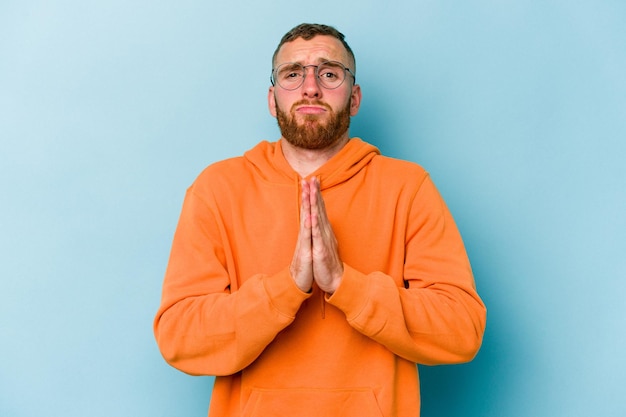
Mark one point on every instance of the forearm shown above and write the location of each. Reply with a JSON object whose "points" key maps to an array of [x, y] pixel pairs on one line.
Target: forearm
{"points": [[222, 333], [443, 323]]}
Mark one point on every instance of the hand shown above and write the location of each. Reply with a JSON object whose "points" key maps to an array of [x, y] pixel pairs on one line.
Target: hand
{"points": [[317, 255], [301, 268]]}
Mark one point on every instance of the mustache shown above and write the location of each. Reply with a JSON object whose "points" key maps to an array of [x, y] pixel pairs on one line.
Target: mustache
{"points": [[311, 103]]}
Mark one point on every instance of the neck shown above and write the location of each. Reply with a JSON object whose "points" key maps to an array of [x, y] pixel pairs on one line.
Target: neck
{"points": [[307, 161]]}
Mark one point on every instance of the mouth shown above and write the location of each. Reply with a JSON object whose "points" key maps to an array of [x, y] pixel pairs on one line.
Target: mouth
{"points": [[308, 109]]}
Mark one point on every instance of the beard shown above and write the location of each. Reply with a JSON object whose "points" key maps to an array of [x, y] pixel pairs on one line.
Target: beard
{"points": [[311, 133]]}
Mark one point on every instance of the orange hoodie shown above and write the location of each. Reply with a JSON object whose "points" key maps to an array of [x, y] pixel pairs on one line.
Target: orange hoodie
{"points": [[231, 309]]}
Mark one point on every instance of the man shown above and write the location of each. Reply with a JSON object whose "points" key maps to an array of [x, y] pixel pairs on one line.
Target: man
{"points": [[311, 274]]}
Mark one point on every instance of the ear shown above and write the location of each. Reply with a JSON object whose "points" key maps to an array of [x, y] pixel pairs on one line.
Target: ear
{"points": [[271, 101], [355, 101]]}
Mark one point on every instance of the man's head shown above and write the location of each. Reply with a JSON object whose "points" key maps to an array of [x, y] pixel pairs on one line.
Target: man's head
{"points": [[308, 31], [314, 115]]}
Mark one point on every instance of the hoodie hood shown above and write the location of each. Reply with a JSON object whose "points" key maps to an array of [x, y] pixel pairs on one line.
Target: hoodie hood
{"points": [[271, 165]]}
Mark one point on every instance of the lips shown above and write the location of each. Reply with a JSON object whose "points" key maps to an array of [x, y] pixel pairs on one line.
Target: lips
{"points": [[310, 108]]}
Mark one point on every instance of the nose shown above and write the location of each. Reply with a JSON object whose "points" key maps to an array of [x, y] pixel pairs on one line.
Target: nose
{"points": [[311, 85]]}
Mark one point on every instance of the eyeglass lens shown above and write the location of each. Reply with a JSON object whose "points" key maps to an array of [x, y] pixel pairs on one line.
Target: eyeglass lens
{"points": [[291, 75]]}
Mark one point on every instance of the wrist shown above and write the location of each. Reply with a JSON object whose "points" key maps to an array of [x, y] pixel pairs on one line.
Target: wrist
{"points": [[334, 283]]}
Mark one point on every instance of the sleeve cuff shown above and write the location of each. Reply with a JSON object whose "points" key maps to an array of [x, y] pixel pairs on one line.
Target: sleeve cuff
{"points": [[352, 294], [283, 293]]}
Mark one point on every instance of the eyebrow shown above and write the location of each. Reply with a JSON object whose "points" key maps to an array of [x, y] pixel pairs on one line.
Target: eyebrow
{"points": [[319, 61], [288, 66]]}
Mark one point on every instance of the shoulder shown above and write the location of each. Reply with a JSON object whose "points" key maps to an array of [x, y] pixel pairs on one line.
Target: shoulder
{"points": [[220, 178], [223, 167], [231, 167], [398, 169]]}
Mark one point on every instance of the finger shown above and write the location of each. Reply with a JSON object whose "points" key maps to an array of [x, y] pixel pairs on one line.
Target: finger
{"points": [[322, 236], [318, 209], [314, 202], [301, 265], [305, 205]]}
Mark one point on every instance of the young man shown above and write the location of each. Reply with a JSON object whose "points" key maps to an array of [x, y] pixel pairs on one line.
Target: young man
{"points": [[311, 274]]}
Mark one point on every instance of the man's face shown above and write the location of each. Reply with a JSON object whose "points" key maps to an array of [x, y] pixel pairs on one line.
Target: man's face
{"points": [[312, 117]]}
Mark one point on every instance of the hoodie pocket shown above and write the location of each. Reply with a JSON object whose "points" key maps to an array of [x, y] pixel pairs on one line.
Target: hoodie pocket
{"points": [[357, 402]]}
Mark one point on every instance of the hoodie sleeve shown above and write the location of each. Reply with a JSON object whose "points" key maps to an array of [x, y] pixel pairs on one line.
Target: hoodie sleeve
{"points": [[437, 317], [204, 326]]}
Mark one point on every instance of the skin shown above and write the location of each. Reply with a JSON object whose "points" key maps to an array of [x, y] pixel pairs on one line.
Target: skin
{"points": [[316, 257]]}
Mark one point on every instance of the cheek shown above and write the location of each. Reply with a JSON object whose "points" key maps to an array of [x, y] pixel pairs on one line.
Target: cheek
{"points": [[282, 102], [279, 100]]}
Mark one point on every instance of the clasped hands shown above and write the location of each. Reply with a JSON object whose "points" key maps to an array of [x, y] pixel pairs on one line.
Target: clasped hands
{"points": [[316, 258]]}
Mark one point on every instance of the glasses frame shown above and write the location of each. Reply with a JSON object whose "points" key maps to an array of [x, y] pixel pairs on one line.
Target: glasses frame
{"points": [[315, 72]]}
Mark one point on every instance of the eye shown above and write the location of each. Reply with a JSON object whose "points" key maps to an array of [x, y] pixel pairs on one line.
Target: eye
{"points": [[330, 71], [290, 71]]}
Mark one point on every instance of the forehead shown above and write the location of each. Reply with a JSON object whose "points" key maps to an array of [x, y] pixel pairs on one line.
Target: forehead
{"points": [[319, 48]]}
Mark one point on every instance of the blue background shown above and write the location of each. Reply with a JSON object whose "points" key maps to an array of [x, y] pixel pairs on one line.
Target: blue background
{"points": [[109, 110]]}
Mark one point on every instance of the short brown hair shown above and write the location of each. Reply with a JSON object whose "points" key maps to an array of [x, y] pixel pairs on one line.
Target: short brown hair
{"points": [[308, 31]]}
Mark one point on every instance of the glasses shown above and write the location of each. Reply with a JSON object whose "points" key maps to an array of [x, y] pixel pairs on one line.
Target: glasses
{"points": [[330, 74]]}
